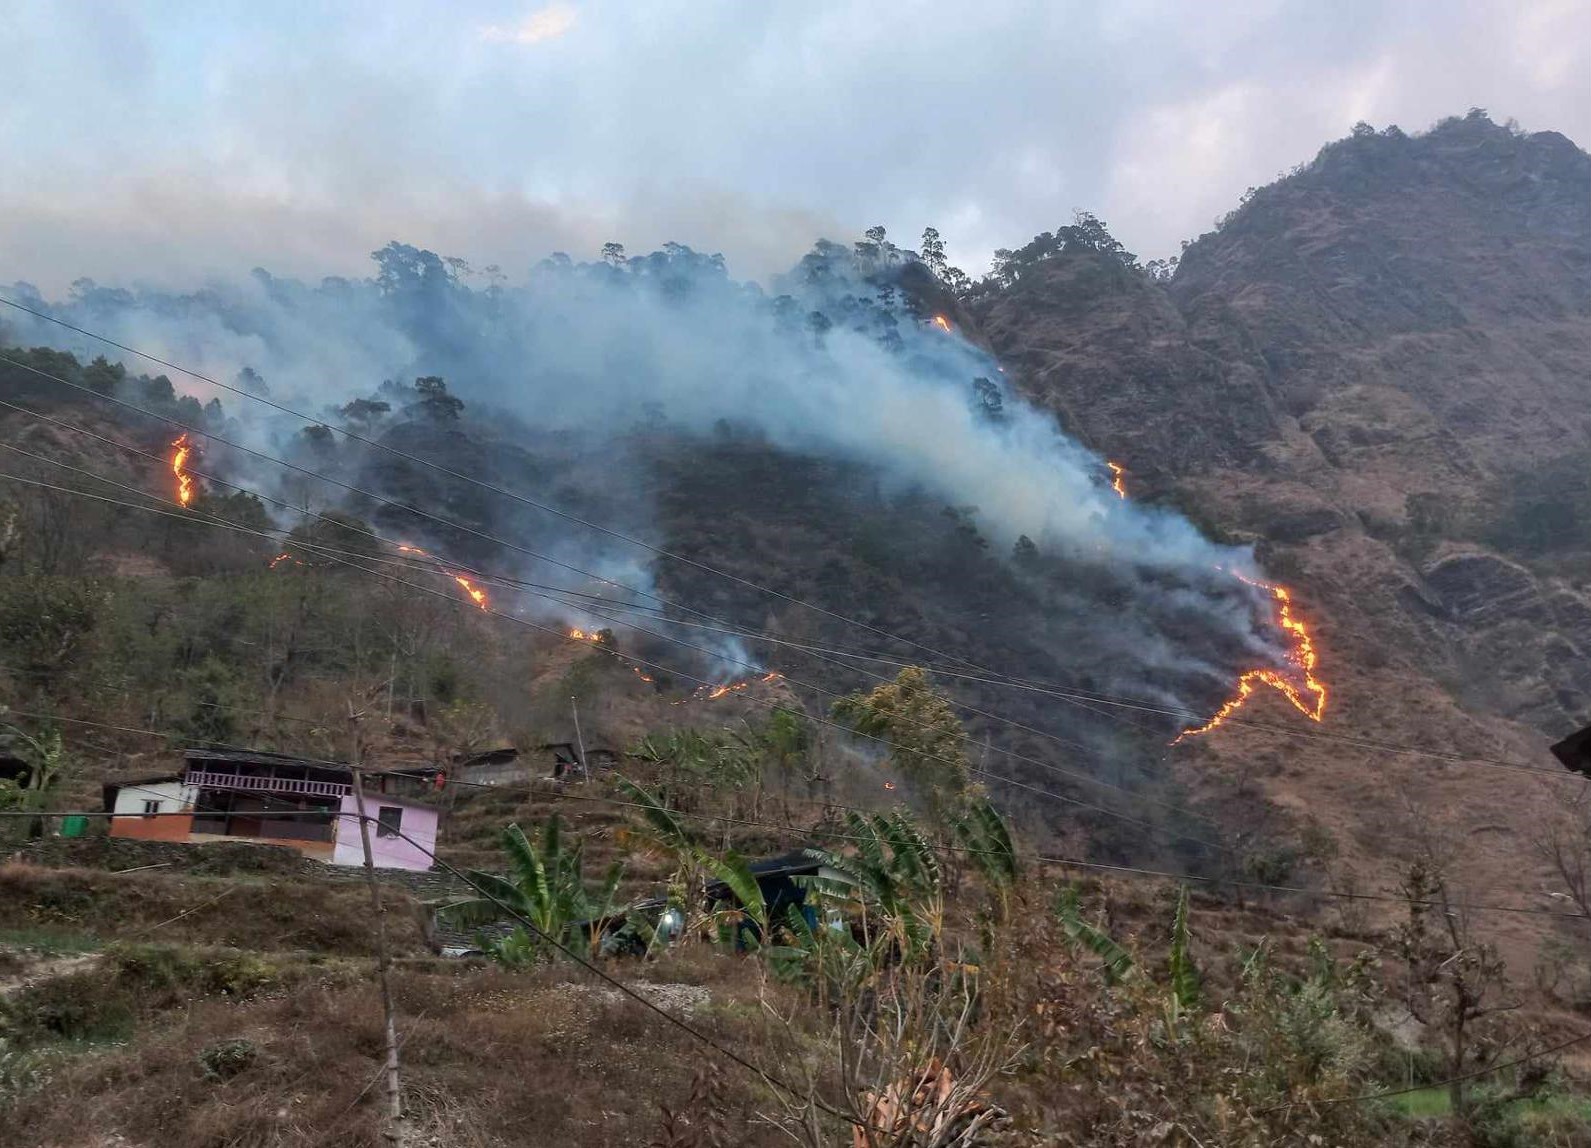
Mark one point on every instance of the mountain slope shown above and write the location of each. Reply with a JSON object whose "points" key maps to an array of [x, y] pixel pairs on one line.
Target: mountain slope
{"points": [[1378, 370]]}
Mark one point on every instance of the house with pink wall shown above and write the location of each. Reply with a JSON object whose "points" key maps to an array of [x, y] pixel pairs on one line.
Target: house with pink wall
{"points": [[273, 799], [402, 833]]}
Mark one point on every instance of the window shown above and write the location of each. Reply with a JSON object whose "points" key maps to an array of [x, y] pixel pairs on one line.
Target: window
{"points": [[388, 820], [151, 808]]}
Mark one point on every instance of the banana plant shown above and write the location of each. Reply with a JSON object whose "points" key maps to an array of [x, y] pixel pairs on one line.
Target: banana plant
{"points": [[1184, 974], [750, 904], [695, 868], [545, 887], [890, 879], [1116, 963], [986, 840], [45, 754]]}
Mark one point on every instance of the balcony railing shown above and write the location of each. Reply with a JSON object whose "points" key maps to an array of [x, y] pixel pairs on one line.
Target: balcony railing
{"points": [[263, 783]]}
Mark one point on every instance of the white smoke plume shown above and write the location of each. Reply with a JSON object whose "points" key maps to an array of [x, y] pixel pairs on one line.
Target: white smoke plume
{"points": [[833, 362]]}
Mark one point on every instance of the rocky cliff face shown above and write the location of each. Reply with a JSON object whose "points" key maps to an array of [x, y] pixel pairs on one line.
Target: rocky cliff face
{"points": [[1362, 370], [1351, 372]]}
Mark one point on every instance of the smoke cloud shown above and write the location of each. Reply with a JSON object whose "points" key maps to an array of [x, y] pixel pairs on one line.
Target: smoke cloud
{"points": [[842, 358]]}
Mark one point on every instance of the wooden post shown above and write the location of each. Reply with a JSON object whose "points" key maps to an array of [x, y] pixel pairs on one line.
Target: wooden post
{"points": [[580, 741], [383, 959]]}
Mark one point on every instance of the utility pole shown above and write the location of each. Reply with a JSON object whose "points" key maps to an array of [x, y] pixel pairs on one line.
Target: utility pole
{"points": [[383, 959], [580, 741]]}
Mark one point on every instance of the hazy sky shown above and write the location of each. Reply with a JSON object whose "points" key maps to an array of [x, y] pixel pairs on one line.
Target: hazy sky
{"points": [[167, 141]]}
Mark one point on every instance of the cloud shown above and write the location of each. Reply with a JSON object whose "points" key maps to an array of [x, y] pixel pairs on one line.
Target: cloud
{"points": [[990, 122], [544, 24]]}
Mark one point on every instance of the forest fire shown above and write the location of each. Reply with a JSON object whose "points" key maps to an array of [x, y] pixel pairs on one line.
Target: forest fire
{"points": [[712, 693], [1116, 483], [284, 557], [1302, 655], [707, 693], [181, 450], [942, 323], [604, 638], [473, 591], [477, 595]]}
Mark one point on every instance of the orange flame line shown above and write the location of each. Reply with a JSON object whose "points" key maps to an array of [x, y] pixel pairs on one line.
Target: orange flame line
{"points": [[1116, 483], [1302, 655], [179, 467], [942, 323], [477, 595], [706, 693]]}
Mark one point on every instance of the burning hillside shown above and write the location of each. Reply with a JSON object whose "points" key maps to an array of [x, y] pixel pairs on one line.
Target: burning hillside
{"points": [[1307, 693], [181, 452], [926, 492], [471, 587]]}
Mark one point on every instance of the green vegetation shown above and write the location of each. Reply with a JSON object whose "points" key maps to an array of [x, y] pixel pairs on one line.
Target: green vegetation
{"points": [[546, 888], [925, 973], [925, 737]]}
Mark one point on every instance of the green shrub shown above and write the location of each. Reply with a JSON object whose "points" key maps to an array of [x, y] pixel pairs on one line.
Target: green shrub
{"points": [[225, 1059], [167, 969]]}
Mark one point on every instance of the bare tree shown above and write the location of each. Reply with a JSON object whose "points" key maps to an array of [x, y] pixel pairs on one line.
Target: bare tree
{"points": [[1566, 845], [1457, 985]]}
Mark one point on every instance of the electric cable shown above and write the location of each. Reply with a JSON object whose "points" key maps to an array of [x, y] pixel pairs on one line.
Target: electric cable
{"points": [[632, 659], [1069, 694]]}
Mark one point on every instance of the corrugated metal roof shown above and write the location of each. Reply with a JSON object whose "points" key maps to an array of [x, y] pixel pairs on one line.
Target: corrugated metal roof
{"points": [[256, 757]]}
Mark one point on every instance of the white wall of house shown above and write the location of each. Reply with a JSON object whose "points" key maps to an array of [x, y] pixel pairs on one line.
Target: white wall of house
{"points": [[154, 797]]}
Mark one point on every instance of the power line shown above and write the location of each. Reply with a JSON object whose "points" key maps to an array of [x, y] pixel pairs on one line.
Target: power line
{"points": [[1080, 697], [1103, 810], [1087, 700], [190, 515], [533, 587], [1057, 860], [632, 659], [1051, 766], [1094, 866], [1130, 871], [678, 1022], [492, 487], [365, 440]]}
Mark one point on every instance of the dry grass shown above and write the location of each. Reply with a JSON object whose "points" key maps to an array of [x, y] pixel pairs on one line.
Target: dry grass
{"points": [[273, 913], [489, 1058]]}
